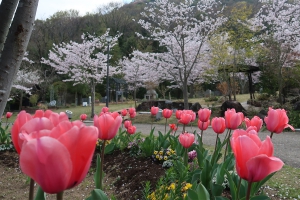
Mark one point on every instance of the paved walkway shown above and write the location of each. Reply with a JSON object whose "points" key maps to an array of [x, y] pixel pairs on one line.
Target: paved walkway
{"points": [[286, 144]]}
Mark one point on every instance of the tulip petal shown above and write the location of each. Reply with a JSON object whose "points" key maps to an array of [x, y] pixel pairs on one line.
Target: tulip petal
{"points": [[80, 143], [60, 129], [244, 148], [261, 166], [22, 118], [48, 162], [267, 147]]}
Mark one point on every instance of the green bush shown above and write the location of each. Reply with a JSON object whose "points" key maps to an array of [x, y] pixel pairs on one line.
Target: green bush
{"points": [[33, 99]]}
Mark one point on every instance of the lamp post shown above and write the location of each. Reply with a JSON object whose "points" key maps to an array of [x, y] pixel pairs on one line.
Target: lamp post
{"points": [[108, 40]]}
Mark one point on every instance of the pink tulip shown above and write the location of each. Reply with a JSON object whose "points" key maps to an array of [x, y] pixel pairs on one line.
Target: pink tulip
{"points": [[186, 139], [132, 115], [167, 113], [154, 110], [178, 114], [27, 124], [54, 117], [252, 128], [185, 118], [8, 115], [218, 125], [83, 117], [127, 123], [192, 113], [59, 163], [105, 109], [254, 158], [255, 121], [233, 119], [173, 127], [124, 112], [204, 114], [131, 130], [107, 125], [277, 120], [131, 111], [203, 125], [115, 114]]}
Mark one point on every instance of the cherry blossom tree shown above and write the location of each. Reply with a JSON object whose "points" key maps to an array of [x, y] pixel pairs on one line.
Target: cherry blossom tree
{"points": [[279, 24], [183, 29], [136, 70], [84, 62]]}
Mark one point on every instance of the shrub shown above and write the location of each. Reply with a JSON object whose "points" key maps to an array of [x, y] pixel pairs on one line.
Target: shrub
{"points": [[33, 99]]}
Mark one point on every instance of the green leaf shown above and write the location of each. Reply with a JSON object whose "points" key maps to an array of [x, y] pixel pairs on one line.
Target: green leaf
{"points": [[256, 186], [109, 148], [206, 174], [40, 194], [192, 195], [202, 192], [97, 194], [216, 189], [97, 174], [260, 197], [231, 185]]}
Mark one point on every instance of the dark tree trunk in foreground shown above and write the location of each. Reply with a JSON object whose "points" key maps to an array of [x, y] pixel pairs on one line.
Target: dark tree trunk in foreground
{"points": [[15, 46]]}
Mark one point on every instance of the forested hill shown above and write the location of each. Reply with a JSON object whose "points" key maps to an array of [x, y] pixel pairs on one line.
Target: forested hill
{"points": [[65, 26]]}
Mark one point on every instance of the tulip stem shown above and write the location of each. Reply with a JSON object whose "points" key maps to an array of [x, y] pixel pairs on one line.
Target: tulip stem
{"points": [[271, 135], [216, 142], [238, 188], [101, 164], [59, 196], [202, 134], [185, 158], [31, 189], [227, 142], [183, 129], [166, 126], [248, 190]]}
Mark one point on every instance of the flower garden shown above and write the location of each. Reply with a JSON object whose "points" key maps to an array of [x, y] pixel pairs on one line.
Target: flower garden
{"points": [[57, 154]]}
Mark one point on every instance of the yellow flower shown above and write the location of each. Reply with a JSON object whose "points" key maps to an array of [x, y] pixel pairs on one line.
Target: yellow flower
{"points": [[161, 152], [157, 156], [172, 186], [165, 157], [166, 197], [160, 157], [184, 195], [168, 153], [155, 152], [188, 185]]}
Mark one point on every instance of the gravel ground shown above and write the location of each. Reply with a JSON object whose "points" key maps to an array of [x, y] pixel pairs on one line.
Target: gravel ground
{"points": [[286, 144]]}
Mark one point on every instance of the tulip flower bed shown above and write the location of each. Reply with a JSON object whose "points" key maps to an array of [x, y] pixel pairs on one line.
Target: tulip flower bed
{"points": [[57, 155]]}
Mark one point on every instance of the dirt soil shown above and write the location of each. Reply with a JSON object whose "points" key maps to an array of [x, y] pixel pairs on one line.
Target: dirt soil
{"points": [[124, 177]]}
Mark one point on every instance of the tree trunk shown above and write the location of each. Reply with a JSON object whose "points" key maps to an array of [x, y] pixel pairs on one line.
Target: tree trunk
{"points": [[21, 100], [15, 47], [93, 99], [192, 91], [7, 10], [280, 83], [185, 95], [134, 97]]}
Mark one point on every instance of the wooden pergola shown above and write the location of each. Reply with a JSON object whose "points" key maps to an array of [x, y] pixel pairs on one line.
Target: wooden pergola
{"points": [[249, 69]]}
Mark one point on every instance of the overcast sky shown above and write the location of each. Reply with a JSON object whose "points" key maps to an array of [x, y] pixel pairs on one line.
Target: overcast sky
{"points": [[47, 8]]}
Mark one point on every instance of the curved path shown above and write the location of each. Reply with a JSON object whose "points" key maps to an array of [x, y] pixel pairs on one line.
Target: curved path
{"points": [[286, 144]]}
